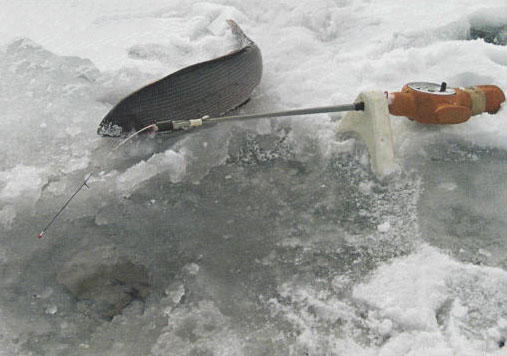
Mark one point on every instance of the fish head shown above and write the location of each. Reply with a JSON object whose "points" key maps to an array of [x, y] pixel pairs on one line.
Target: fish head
{"points": [[119, 121]]}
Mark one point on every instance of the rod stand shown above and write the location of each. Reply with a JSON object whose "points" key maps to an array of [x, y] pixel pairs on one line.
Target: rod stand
{"points": [[373, 125]]}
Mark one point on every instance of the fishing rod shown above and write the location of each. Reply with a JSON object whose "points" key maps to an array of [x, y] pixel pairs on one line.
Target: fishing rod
{"points": [[427, 103], [177, 125]]}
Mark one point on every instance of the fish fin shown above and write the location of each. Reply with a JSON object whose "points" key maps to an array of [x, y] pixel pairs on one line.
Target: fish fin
{"points": [[243, 39]]}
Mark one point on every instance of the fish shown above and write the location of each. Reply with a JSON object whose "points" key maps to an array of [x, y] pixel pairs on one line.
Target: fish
{"points": [[211, 88]]}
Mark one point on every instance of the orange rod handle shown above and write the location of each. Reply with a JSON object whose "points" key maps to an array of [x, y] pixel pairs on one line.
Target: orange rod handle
{"points": [[456, 108]]}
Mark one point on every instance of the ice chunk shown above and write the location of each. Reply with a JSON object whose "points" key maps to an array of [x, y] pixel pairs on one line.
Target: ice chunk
{"points": [[171, 161], [384, 227], [201, 329], [51, 309], [21, 182], [449, 186], [191, 269]]}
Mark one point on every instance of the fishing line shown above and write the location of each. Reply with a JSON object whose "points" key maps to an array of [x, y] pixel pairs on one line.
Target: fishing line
{"points": [[87, 178]]}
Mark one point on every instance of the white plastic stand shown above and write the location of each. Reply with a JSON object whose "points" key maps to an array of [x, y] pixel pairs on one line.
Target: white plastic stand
{"points": [[373, 125]]}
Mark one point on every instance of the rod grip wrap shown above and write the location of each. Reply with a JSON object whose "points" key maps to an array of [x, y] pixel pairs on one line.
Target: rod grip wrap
{"points": [[478, 98]]}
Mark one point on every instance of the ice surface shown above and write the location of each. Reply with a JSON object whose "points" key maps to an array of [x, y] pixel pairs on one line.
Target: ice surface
{"points": [[266, 237]]}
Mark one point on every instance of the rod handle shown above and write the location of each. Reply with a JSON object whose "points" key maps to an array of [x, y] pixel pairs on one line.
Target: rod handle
{"points": [[456, 108]]}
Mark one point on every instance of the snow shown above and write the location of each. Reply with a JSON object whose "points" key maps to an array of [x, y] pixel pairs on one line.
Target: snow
{"points": [[262, 237], [414, 291]]}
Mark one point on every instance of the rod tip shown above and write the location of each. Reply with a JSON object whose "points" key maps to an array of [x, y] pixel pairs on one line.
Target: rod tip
{"points": [[39, 236]]}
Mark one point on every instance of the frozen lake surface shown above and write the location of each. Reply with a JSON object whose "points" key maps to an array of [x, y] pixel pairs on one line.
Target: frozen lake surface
{"points": [[266, 237]]}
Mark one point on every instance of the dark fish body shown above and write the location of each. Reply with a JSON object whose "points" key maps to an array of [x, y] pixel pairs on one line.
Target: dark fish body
{"points": [[209, 88]]}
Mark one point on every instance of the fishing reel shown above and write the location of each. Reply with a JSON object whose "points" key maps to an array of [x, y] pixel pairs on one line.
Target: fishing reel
{"points": [[431, 103]]}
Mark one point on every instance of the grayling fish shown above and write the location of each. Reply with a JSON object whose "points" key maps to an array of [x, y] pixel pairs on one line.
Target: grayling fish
{"points": [[208, 88]]}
